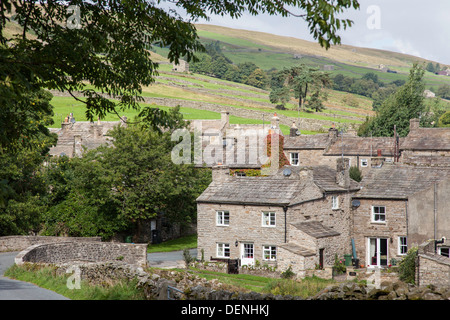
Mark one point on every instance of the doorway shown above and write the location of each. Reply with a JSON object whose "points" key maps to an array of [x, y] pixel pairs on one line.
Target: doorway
{"points": [[247, 254], [377, 252]]}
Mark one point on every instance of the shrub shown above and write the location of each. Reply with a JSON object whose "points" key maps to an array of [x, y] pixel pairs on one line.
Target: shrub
{"points": [[355, 174], [407, 267]]}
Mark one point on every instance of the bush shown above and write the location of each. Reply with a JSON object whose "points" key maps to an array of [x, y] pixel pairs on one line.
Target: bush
{"points": [[355, 174], [407, 267]]}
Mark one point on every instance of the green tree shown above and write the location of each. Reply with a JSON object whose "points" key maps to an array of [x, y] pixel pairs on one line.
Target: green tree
{"points": [[302, 80], [430, 67], [405, 104], [105, 44], [257, 78], [444, 120]]}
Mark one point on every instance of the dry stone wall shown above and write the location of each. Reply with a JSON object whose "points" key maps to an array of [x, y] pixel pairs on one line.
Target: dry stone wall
{"points": [[54, 253], [19, 243]]}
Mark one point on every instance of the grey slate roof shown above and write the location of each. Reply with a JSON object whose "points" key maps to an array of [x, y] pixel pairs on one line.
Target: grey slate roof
{"points": [[315, 229], [427, 139], [317, 141], [294, 248], [277, 190], [399, 181], [364, 146]]}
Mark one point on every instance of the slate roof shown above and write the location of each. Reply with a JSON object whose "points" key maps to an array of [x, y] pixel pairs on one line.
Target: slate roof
{"points": [[276, 190], [92, 136], [317, 141], [399, 181], [315, 229], [363, 146], [427, 139], [294, 248]]}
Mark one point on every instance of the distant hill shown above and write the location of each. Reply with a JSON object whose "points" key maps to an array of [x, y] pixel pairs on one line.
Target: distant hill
{"points": [[273, 51]]}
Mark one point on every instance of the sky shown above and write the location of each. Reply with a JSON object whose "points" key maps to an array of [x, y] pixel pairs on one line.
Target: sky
{"points": [[417, 27]]}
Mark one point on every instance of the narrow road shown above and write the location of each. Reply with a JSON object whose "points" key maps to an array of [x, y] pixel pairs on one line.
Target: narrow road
{"points": [[19, 290]]}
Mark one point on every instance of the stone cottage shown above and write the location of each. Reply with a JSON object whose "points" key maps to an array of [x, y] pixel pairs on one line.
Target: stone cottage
{"points": [[426, 146], [75, 136], [298, 217], [386, 210]]}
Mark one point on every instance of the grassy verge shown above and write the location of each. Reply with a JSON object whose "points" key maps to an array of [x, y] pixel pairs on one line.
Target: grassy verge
{"points": [[46, 277], [304, 288], [179, 244]]}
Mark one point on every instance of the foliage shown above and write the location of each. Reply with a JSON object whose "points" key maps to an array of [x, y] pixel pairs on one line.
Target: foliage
{"points": [[444, 120], [114, 189], [188, 259], [298, 82], [339, 265], [407, 267], [288, 273], [178, 244], [355, 173], [405, 104], [305, 288], [21, 177]]}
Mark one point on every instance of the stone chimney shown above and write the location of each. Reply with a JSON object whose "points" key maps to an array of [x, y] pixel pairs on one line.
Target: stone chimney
{"points": [[220, 173], [332, 133], [225, 118], [414, 124], [293, 131], [77, 147], [275, 122], [343, 172]]}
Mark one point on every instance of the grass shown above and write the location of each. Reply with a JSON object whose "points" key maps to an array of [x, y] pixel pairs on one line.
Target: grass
{"points": [[46, 277], [304, 288], [179, 244]]}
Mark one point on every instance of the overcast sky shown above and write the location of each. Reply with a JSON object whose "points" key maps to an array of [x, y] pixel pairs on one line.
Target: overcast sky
{"points": [[417, 27]]}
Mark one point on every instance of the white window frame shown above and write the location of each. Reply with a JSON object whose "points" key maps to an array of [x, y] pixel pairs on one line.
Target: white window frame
{"points": [[292, 158], [440, 251], [221, 250], [364, 163], [373, 214], [222, 218], [334, 202], [269, 251], [402, 243], [268, 219]]}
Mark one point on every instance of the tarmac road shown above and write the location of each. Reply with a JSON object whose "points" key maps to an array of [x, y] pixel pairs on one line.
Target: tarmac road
{"points": [[20, 290]]}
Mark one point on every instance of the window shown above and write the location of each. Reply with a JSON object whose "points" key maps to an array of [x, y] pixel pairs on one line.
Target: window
{"points": [[270, 253], [294, 158], [444, 251], [402, 246], [223, 250], [223, 218], [364, 163], [268, 219], [334, 202], [378, 214]]}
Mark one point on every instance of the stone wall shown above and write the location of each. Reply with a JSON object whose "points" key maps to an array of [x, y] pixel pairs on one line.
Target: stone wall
{"points": [[63, 252], [19, 243], [431, 268], [363, 228]]}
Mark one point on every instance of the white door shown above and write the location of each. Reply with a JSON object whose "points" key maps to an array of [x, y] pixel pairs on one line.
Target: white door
{"points": [[247, 254], [377, 252]]}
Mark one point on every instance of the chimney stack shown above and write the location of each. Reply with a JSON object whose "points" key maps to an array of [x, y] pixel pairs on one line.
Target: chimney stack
{"points": [[293, 131], [414, 124], [343, 172], [225, 118], [220, 173]]}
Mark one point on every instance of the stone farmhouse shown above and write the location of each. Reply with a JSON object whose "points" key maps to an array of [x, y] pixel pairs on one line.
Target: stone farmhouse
{"points": [[299, 216], [76, 136]]}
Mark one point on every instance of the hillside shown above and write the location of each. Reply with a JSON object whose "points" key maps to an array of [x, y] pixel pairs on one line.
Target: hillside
{"points": [[273, 51]]}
